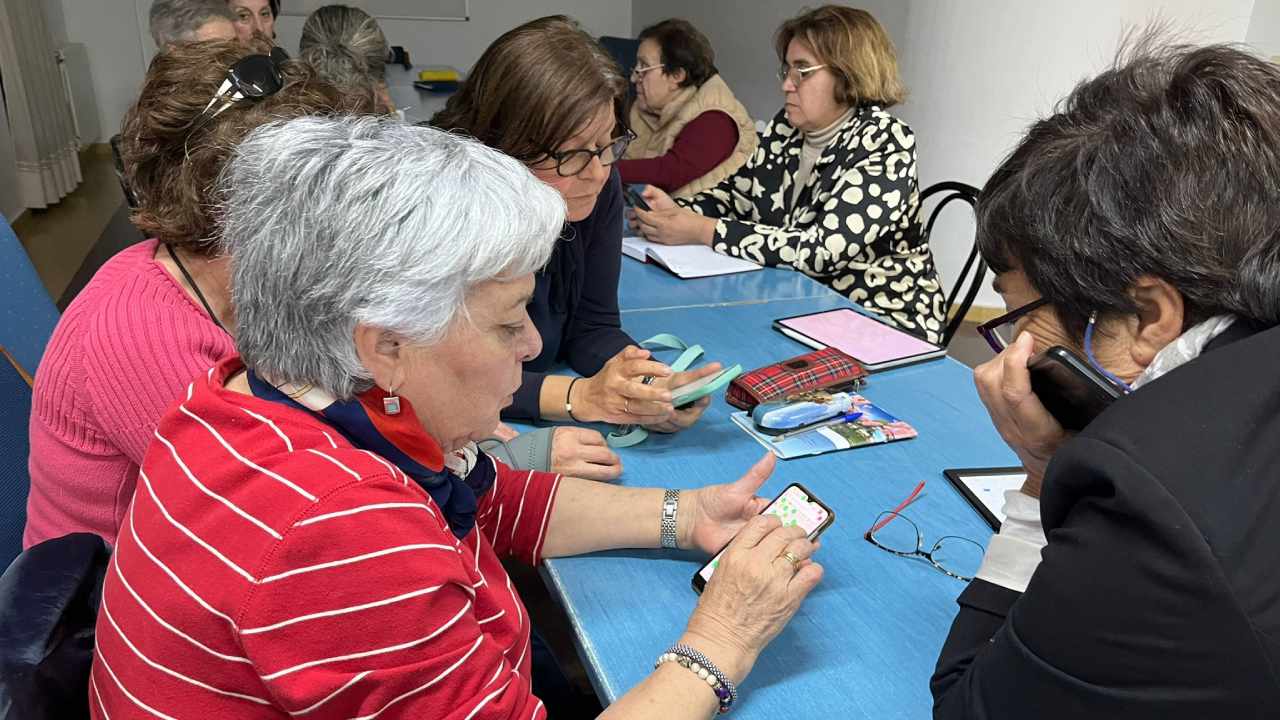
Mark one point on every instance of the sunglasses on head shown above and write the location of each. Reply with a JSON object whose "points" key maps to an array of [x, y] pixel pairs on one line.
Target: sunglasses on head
{"points": [[252, 77]]}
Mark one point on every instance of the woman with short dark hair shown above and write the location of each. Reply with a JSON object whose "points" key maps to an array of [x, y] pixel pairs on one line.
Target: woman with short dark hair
{"points": [[691, 132], [548, 95], [832, 189], [1134, 575]]}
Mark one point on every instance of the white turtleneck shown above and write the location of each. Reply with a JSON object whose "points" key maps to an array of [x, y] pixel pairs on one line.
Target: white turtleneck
{"points": [[814, 143]]}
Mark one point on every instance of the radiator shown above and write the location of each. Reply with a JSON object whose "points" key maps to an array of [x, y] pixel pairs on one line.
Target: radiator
{"points": [[73, 61]]}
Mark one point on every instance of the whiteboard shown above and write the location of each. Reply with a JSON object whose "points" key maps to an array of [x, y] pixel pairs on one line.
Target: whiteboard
{"points": [[448, 10]]}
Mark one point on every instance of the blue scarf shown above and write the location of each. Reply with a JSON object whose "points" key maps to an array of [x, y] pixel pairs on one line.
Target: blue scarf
{"points": [[401, 440]]}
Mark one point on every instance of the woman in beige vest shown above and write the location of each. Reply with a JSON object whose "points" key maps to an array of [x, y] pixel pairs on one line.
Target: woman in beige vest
{"points": [[691, 131]]}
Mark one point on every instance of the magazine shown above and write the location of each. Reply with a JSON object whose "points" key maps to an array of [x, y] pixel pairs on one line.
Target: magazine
{"points": [[873, 427]]}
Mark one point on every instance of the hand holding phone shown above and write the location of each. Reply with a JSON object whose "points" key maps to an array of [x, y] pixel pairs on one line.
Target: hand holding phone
{"points": [[635, 198], [795, 507], [1070, 388]]}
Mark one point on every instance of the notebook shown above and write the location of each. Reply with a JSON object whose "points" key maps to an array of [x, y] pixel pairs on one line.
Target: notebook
{"points": [[874, 427], [877, 345], [685, 261]]}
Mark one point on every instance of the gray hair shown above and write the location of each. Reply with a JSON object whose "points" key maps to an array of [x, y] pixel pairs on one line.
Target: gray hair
{"points": [[337, 222], [176, 21], [345, 46]]}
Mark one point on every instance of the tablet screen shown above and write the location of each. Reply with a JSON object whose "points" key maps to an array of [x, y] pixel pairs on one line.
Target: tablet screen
{"points": [[984, 488], [858, 336]]}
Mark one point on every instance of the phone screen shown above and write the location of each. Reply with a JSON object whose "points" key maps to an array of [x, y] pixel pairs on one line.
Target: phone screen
{"points": [[634, 198], [795, 506]]}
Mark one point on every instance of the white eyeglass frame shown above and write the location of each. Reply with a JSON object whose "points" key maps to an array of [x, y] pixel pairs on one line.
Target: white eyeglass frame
{"points": [[797, 75], [638, 72]]}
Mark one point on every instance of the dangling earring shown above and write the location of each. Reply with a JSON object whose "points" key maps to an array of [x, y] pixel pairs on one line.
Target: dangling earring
{"points": [[391, 403]]}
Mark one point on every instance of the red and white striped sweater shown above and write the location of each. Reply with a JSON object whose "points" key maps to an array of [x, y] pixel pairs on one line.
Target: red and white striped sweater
{"points": [[268, 569]]}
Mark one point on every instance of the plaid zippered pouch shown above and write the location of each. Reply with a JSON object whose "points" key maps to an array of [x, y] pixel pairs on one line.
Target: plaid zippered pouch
{"points": [[828, 369]]}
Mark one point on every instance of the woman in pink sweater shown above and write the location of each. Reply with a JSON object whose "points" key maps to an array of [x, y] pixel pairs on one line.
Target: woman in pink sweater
{"points": [[157, 315]]}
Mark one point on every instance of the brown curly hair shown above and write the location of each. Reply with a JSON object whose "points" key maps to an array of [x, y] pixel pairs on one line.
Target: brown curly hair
{"points": [[172, 162]]}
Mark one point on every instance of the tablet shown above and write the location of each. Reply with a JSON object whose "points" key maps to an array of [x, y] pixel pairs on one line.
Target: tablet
{"points": [[875, 344], [984, 489]]}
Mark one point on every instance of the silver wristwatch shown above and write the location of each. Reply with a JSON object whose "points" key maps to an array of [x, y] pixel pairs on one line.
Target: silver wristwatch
{"points": [[670, 505]]}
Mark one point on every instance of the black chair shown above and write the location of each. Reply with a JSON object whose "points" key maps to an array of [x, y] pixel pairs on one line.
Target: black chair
{"points": [[623, 51], [969, 281]]}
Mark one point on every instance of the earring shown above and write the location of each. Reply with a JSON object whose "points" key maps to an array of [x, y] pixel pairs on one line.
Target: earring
{"points": [[391, 403]]}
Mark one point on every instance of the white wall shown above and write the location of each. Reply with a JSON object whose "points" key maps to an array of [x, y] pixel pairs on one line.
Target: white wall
{"points": [[980, 71], [742, 35], [119, 45], [1264, 28]]}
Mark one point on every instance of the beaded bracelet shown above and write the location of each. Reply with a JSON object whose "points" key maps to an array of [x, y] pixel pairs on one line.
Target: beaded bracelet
{"points": [[698, 664]]}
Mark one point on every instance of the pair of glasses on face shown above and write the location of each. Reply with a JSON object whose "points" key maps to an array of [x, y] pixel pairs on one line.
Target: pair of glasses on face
{"points": [[1000, 332], [252, 77], [572, 162], [896, 533], [797, 74], [638, 72]]}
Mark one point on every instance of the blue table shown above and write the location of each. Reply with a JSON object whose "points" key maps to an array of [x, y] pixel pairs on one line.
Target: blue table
{"points": [[646, 287], [865, 642]]}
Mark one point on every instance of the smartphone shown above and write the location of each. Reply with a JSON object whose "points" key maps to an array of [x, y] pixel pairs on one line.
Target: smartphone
{"points": [[685, 395], [634, 198], [796, 506], [1071, 389]]}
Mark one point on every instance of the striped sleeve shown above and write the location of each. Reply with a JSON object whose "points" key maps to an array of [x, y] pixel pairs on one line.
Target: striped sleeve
{"points": [[514, 514], [367, 609]]}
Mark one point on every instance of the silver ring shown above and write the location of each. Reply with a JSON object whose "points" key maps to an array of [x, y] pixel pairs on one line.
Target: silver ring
{"points": [[626, 406]]}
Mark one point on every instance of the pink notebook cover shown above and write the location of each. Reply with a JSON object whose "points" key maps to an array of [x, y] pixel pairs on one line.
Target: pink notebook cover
{"points": [[858, 336]]}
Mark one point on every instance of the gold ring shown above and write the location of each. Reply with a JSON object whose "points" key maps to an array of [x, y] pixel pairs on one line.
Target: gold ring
{"points": [[791, 558]]}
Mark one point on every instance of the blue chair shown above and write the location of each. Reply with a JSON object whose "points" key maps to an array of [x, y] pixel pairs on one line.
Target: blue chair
{"points": [[27, 313], [15, 481]]}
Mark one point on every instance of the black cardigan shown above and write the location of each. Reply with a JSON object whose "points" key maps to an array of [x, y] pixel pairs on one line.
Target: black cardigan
{"points": [[1158, 595], [575, 301]]}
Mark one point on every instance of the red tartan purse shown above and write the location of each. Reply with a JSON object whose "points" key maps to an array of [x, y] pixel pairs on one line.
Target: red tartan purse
{"points": [[828, 369]]}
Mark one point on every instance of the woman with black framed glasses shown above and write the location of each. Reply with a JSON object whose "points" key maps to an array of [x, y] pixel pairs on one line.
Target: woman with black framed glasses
{"points": [[547, 94], [1134, 573], [831, 191]]}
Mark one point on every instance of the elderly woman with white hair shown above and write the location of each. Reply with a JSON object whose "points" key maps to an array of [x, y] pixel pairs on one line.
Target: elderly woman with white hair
{"points": [[314, 532]]}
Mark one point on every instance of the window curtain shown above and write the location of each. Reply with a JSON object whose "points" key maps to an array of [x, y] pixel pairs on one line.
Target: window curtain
{"points": [[44, 139]]}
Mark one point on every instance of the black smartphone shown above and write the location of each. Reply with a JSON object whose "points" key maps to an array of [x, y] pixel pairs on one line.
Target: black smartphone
{"points": [[634, 198], [795, 506], [1071, 389]]}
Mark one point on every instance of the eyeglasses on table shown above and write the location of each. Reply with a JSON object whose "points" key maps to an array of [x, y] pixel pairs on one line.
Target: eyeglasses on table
{"points": [[896, 533]]}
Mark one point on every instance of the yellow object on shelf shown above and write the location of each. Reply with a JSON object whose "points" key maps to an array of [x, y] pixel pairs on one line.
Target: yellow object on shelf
{"points": [[438, 75]]}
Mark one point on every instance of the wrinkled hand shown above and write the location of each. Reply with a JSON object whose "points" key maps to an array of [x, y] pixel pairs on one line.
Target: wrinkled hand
{"points": [[617, 394], [1004, 384], [714, 514], [753, 593], [683, 418], [582, 452], [674, 226]]}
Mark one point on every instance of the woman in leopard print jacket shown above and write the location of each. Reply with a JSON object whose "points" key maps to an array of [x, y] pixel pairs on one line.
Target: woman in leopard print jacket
{"points": [[831, 191]]}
